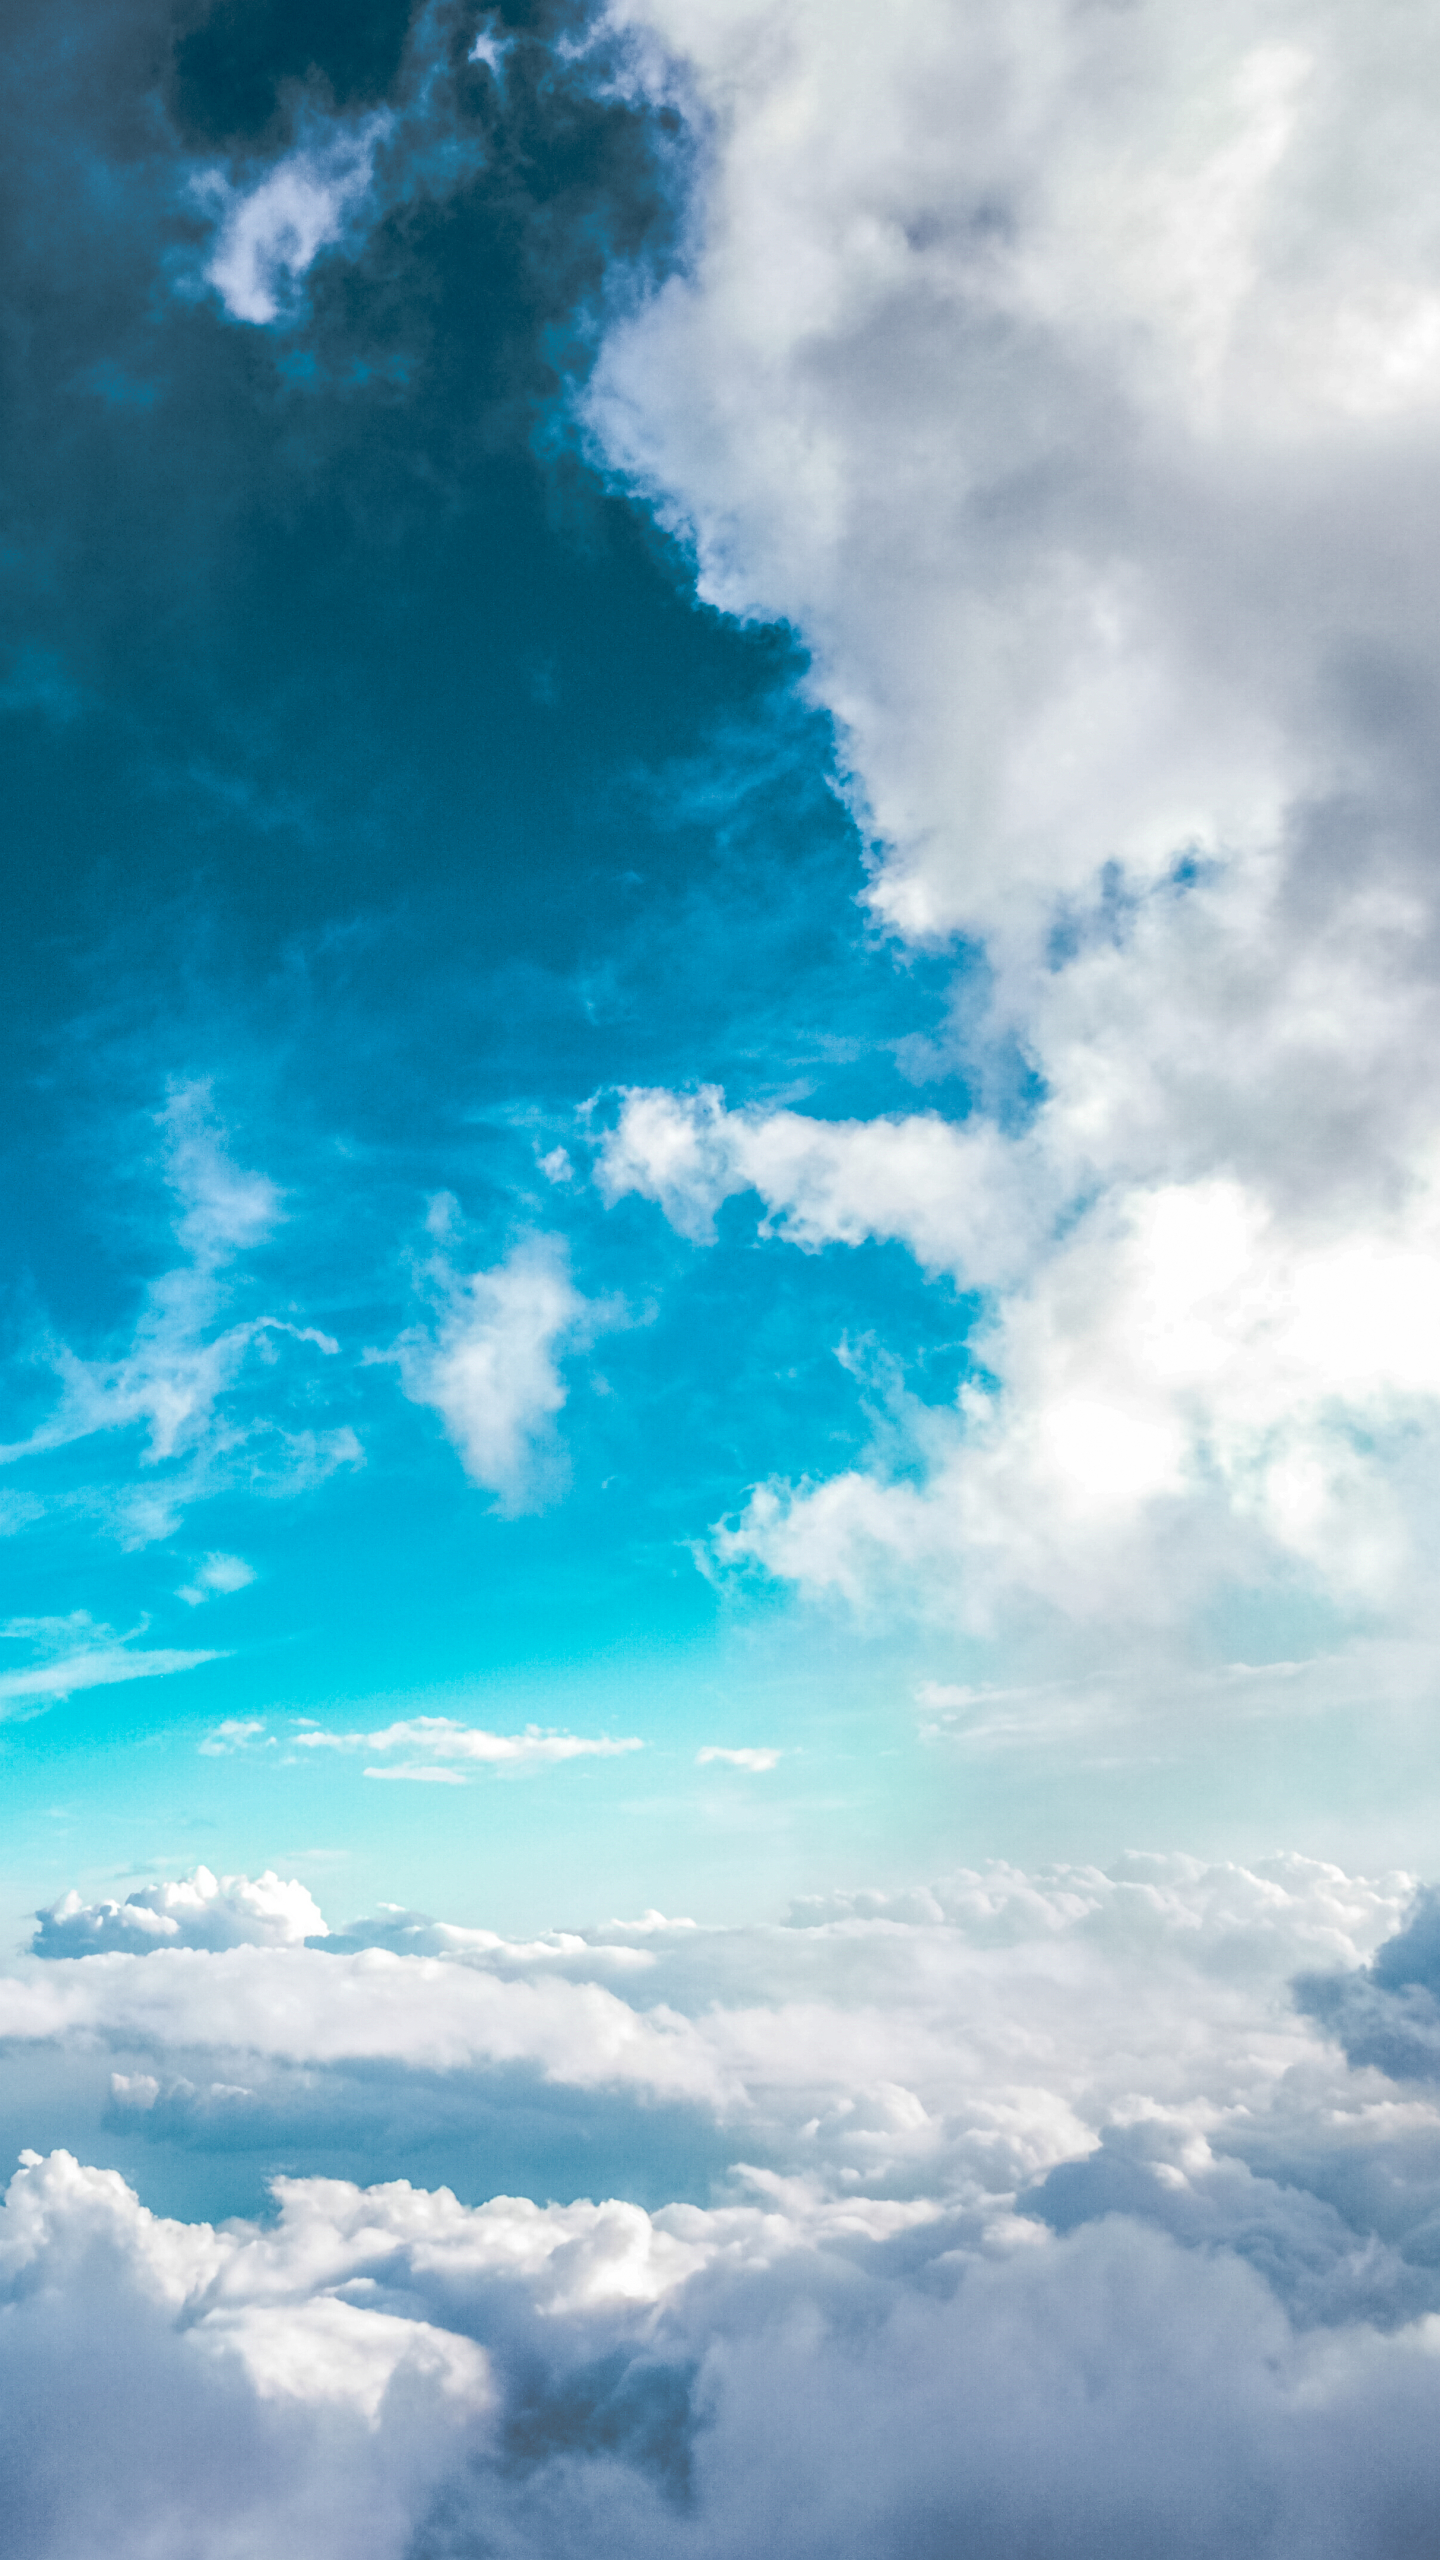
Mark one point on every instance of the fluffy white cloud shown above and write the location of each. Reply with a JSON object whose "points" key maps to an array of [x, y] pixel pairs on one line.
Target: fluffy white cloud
{"points": [[748, 1757], [1030, 2269], [1062, 377], [1068, 380], [831, 2047], [489, 1366], [961, 1198], [199, 1910], [384, 2373]]}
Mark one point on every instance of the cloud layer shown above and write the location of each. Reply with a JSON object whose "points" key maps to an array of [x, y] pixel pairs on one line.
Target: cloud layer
{"points": [[1016, 2262]]}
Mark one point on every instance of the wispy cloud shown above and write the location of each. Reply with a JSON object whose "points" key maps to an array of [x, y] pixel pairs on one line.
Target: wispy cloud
{"points": [[271, 232], [216, 1574], [756, 1761], [236, 1733], [433, 1741], [185, 1365], [74, 1653]]}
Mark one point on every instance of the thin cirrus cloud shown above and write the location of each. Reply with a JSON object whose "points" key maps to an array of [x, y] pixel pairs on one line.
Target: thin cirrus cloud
{"points": [[196, 1378], [74, 1653], [440, 1748]]}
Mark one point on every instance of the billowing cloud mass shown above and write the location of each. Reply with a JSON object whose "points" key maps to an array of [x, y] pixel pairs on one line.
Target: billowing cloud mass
{"points": [[200, 1910], [1069, 380], [999, 2254]]}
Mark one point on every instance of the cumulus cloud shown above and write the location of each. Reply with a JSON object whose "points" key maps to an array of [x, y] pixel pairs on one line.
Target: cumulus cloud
{"points": [[385, 2373], [1019, 2266], [1387, 2014], [199, 1910], [829, 2046], [756, 1761], [1026, 364], [233, 1733], [1041, 369], [489, 1365], [957, 1196]]}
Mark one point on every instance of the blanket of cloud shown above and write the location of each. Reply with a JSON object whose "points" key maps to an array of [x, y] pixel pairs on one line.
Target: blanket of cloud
{"points": [[1048, 2223]]}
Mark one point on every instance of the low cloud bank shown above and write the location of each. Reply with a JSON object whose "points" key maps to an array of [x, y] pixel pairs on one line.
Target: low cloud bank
{"points": [[1053, 2224]]}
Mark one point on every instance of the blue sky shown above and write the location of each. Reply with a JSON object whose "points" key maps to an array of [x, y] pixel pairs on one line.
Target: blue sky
{"points": [[382, 802], [400, 772], [718, 1346]]}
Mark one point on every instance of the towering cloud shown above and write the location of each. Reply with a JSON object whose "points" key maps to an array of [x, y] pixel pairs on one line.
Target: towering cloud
{"points": [[1069, 379]]}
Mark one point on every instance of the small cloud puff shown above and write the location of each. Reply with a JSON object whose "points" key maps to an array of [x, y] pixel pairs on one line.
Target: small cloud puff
{"points": [[217, 1573], [272, 233], [754, 1760], [200, 1910], [489, 1364], [235, 1733]]}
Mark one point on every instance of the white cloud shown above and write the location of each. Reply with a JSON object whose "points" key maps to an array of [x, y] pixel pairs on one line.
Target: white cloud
{"points": [[831, 2047], [271, 233], [961, 1198], [198, 1910], [216, 1573], [341, 174], [1018, 363], [1017, 2265], [1067, 379], [74, 1653], [234, 1733], [185, 1365], [756, 1761], [442, 1739], [1188, 1393], [490, 1366]]}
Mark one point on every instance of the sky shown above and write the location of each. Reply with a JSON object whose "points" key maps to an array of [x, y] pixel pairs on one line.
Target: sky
{"points": [[718, 1339]]}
